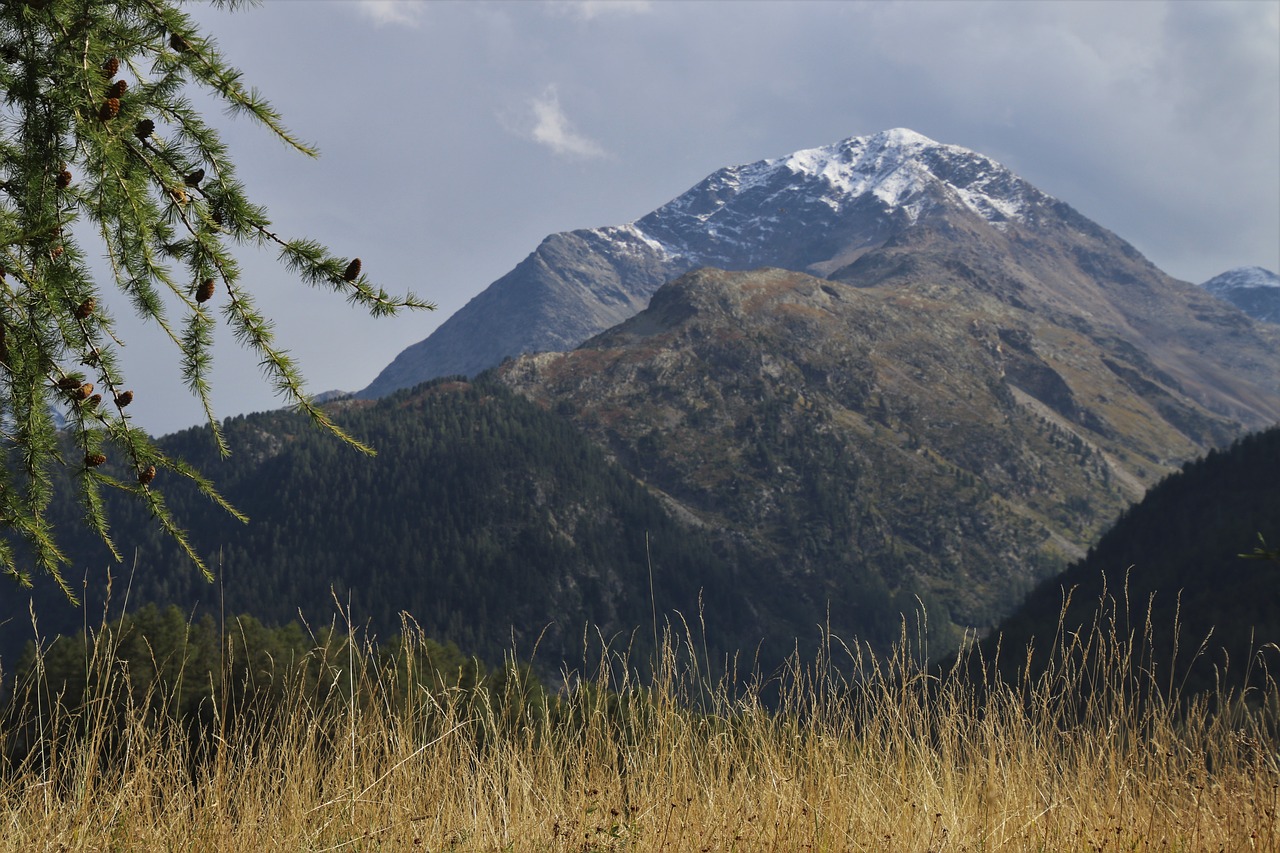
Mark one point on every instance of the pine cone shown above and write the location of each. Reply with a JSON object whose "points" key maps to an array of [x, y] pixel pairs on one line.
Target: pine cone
{"points": [[93, 401], [353, 271], [84, 309], [124, 398], [216, 215], [83, 392], [146, 475], [118, 89], [64, 179], [178, 194], [68, 383], [110, 66], [178, 43], [93, 460], [110, 109], [194, 179], [205, 291], [144, 128]]}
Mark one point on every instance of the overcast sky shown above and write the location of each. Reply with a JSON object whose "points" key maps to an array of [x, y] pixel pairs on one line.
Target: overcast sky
{"points": [[454, 136]]}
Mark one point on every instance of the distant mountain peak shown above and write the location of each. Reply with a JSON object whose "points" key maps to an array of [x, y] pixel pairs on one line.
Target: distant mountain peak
{"points": [[899, 171], [1254, 290], [1242, 277]]}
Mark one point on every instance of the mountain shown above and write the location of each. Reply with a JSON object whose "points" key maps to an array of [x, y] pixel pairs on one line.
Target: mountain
{"points": [[945, 387], [915, 420], [813, 211], [1176, 556], [1254, 290], [966, 387]]}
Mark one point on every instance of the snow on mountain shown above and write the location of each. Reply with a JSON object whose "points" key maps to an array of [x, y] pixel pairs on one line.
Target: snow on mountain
{"points": [[1254, 290], [905, 172], [1242, 277]]}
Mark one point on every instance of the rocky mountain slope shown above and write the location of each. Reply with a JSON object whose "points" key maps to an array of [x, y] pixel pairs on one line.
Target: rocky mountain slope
{"points": [[812, 211], [1254, 290], [922, 433], [959, 384], [954, 412]]}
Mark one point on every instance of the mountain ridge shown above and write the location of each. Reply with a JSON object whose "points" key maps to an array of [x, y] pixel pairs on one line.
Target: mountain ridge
{"points": [[813, 210], [920, 431]]}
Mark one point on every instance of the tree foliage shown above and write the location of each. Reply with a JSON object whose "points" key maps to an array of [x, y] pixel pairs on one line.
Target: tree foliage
{"points": [[494, 523], [1174, 559], [100, 142], [213, 676]]}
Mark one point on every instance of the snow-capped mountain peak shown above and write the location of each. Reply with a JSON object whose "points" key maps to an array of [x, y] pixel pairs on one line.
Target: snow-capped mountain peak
{"points": [[1254, 290], [1242, 277], [896, 166], [895, 174]]}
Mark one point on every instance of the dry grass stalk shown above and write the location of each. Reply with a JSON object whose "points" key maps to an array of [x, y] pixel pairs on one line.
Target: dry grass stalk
{"points": [[867, 755]]}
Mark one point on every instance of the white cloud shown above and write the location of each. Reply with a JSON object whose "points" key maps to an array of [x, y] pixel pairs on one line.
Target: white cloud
{"points": [[407, 13], [551, 127]]}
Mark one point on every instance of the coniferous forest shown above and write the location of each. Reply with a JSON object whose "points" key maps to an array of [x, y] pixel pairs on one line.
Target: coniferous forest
{"points": [[1181, 561], [466, 469], [478, 505]]}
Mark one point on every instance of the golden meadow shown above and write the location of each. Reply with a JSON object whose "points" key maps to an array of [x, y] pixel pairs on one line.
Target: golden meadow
{"points": [[361, 749]]}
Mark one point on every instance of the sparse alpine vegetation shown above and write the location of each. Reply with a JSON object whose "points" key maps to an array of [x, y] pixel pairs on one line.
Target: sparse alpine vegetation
{"points": [[894, 429]]}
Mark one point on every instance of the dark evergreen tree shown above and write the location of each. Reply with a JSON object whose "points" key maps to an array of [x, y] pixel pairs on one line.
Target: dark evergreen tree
{"points": [[98, 136], [1175, 559]]}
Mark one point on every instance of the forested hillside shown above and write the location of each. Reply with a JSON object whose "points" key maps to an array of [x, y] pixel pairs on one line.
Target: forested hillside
{"points": [[492, 523], [1177, 553]]}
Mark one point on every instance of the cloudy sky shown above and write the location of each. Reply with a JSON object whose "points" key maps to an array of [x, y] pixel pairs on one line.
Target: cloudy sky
{"points": [[454, 136]]}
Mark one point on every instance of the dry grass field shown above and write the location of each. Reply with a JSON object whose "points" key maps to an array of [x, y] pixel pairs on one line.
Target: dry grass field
{"points": [[848, 753]]}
